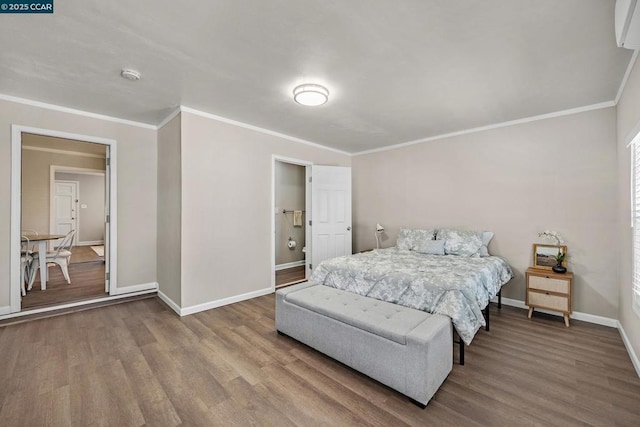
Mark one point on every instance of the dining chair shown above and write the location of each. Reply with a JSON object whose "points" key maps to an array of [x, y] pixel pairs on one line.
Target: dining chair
{"points": [[26, 234], [61, 256], [25, 266]]}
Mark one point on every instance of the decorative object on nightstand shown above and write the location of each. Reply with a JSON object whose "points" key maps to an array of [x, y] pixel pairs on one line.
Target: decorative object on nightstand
{"points": [[559, 267], [550, 257], [550, 291], [379, 231]]}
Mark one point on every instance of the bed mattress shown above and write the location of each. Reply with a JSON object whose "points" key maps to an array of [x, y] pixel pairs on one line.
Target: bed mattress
{"points": [[455, 286]]}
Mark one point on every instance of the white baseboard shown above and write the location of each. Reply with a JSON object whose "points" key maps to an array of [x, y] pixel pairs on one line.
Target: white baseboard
{"points": [[90, 243], [289, 265], [151, 286], [630, 350], [5, 310], [225, 301], [591, 318], [171, 303]]}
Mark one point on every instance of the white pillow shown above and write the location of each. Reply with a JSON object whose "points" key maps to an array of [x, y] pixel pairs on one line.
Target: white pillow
{"points": [[431, 247], [486, 238]]}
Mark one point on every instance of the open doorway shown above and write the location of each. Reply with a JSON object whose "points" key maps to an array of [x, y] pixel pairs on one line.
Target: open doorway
{"points": [[290, 221], [63, 209]]}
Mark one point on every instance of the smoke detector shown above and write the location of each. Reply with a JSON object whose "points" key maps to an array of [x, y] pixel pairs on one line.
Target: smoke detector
{"points": [[130, 74]]}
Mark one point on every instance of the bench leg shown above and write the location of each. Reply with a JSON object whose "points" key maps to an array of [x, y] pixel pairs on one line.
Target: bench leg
{"points": [[461, 344], [418, 404]]}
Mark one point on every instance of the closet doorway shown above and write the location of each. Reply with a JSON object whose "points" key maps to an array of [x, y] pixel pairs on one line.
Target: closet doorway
{"points": [[291, 219]]}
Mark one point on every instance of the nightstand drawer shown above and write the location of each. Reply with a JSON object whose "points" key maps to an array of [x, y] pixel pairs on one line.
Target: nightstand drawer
{"points": [[552, 302], [549, 284]]}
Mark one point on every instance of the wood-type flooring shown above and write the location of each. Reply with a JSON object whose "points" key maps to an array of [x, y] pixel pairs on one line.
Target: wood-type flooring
{"points": [[87, 282], [289, 276], [138, 363]]}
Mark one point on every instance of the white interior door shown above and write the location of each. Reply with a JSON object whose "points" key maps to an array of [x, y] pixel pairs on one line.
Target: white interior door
{"points": [[65, 207], [331, 213]]}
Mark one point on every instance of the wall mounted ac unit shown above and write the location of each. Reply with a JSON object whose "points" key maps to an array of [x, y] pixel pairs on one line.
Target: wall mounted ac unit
{"points": [[627, 17]]}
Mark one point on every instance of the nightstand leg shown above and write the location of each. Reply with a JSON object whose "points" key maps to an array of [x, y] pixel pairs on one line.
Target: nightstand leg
{"points": [[566, 320], [530, 312]]}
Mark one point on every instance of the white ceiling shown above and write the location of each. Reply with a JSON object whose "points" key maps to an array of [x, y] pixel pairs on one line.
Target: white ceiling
{"points": [[398, 71]]}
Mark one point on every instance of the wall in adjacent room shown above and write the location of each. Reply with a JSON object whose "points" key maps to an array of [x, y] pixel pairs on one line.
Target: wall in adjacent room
{"points": [[91, 217], [516, 181], [289, 195], [36, 174]]}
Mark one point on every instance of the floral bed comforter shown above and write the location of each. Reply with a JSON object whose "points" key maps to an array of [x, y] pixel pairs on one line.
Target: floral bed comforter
{"points": [[455, 286]]}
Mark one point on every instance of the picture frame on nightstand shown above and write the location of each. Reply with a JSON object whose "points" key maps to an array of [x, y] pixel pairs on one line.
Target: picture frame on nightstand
{"points": [[544, 256]]}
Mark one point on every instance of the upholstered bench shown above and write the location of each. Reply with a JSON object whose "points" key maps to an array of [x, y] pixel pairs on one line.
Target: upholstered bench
{"points": [[408, 350]]}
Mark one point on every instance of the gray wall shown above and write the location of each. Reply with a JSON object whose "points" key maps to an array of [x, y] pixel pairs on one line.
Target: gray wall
{"points": [[91, 218], [169, 210], [289, 195], [516, 181], [227, 207], [628, 123]]}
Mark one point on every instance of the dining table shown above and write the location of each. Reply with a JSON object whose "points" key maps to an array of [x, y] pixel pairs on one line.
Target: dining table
{"points": [[42, 240]]}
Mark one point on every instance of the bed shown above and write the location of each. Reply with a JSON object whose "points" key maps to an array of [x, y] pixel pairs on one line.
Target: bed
{"points": [[453, 285]]}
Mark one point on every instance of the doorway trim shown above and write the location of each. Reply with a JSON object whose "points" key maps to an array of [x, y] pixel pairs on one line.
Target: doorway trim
{"points": [[307, 231], [53, 169], [16, 202]]}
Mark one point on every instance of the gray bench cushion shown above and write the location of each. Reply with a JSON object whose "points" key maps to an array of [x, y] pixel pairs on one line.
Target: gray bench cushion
{"points": [[381, 318]]}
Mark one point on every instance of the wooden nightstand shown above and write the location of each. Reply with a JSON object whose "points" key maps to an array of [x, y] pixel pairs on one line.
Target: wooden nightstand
{"points": [[549, 290]]}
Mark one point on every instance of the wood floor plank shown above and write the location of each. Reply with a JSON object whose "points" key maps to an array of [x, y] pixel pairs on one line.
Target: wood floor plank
{"points": [[155, 405], [290, 275], [87, 282], [138, 363], [357, 404], [253, 408]]}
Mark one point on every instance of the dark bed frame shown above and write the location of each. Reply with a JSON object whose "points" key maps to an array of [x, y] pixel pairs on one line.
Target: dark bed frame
{"points": [[485, 313]]}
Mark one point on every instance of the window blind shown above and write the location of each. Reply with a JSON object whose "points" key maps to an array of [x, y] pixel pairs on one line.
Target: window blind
{"points": [[635, 205]]}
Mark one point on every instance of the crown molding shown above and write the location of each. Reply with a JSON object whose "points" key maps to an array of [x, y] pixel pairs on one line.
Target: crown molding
{"points": [[627, 73], [170, 117], [490, 127], [65, 152], [193, 111], [68, 110]]}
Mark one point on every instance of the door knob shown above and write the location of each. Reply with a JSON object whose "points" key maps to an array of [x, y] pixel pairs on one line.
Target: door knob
{"points": [[349, 228]]}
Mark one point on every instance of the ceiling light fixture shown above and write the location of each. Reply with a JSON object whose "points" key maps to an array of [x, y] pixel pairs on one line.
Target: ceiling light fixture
{"points": [[130, 74], [310, 94]]}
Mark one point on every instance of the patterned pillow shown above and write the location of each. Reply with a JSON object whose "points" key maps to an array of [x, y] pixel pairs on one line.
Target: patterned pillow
{"points": [[460, 242], [409, 239], [431, 247]]}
